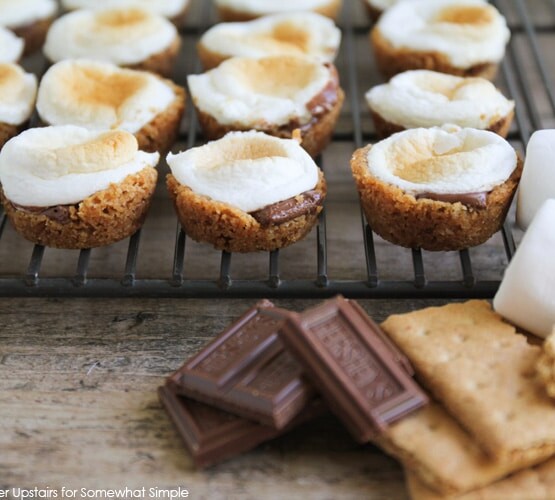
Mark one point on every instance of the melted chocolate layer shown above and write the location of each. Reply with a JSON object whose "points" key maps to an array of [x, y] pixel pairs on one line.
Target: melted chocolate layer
{"points": [[59, 213], [477, 200], [320, 104], [289, 209]]}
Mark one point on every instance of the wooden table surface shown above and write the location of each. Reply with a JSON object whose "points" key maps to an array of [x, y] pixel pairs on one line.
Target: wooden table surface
{"points": [[78, 377]]}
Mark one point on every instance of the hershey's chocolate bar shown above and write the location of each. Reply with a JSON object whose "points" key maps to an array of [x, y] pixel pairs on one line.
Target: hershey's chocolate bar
{"points": [[246, 371], [212, 436], [363, 380], [396, 353]]}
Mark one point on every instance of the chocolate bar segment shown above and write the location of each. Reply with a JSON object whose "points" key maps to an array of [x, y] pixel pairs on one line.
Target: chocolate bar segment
{"points": [[396, 353], [212, 436], [352, 367], [246, 371]]}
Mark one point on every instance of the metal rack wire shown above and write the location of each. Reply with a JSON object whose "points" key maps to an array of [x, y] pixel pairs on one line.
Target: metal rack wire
{"points": [[527, 34]]}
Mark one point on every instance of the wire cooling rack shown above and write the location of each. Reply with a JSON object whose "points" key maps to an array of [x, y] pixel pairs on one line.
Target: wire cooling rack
{"points": [[342, 256]]}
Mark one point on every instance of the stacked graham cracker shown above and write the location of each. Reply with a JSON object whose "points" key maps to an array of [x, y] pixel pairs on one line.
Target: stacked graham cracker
{"points": [[492, 421]]}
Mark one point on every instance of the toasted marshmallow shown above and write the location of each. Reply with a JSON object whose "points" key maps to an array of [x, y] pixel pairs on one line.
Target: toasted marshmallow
{"points": [[120, 36], [248, 170], [251, 92], [20, 13], [425, 98], [538, 177], [18, 91], [446, 160], [466, 32], [11, 46], [526, 295], [304, 33], [100, 96], [166, 8], [265, 7], [63, 165]]}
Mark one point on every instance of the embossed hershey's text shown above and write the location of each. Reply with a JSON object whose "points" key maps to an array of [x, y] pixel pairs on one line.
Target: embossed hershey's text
{"points": [[356, 360]]}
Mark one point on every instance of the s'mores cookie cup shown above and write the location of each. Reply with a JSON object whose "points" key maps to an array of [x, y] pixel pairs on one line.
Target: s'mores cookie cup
{"points": [[294, 34], [460, 37], [423, 98], [437, 189], [101, 96], [246, 192], [11, 46], [245, 10], [18, 91], [276, 95], [68, 187], [29, 20], [132, 38], [174, 10]]}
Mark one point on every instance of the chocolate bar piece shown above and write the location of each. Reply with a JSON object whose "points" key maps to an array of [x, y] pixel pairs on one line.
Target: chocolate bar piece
{"points": [[246, 371], [395, 352], [348, 361], [212, 436]]}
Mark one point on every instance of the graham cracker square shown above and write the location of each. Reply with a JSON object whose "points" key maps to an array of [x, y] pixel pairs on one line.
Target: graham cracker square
{"points": [[536, 483], [433, 446], [483, 372]]}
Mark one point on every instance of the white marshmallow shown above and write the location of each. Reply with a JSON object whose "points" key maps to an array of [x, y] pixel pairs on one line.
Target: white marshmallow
{"points": [[50, 166], [527, 293], [254, 92], [120, 36], [448, 27], [538, 177], [100, 96], [303, 33], [424, 98], [248, 170], [447, 160], [166, 8], [264, 7], [11, 46], [19, 13], [17, 94]]}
